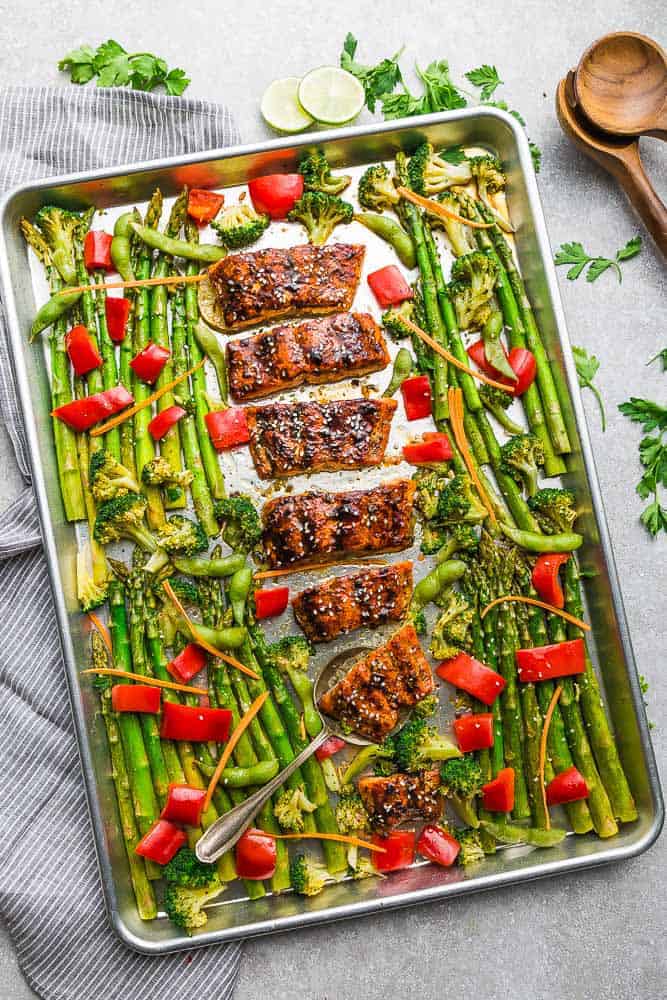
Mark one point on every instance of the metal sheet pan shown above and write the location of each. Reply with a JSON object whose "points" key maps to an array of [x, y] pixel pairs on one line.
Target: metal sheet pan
{"points": [[238, 917]]}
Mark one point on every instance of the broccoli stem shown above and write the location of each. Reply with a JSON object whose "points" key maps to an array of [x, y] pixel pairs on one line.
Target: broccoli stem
{"points": [[143, 890], [216, 480], [108, 352], [170, 444], [141, 784], [201, 494], [595, 717]]}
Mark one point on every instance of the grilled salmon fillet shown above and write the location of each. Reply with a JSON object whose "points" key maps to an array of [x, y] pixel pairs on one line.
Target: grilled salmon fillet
{"points": [[258, 286], [287, 439], [390, 800], [327, 349], [372, 597], [312, 527], [393, 676]]}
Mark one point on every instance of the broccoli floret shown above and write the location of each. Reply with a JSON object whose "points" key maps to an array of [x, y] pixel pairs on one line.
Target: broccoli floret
{"points": [[429, 174], [241, 525], [458, 504], [108, 478], [393, 320], [461, 538], [471, 846], [291, 655], [185, 906], [123, 517], [433, 538], [521, 457], [180, 534], [460, 237], [554, 509], [429, 485], [90, 594], [383, 768], [186, 591], [317, 174], [417, 744], [451, 631], [487, 172], [289, 808], [320, 214], [497, 402], [240, 225], [351, 815], [60, 229], [367, 756], [418, 619], [158, 472], [308, 877], [185, 869], [376, 189], [427, 707], [474, 278], [461, 780]]}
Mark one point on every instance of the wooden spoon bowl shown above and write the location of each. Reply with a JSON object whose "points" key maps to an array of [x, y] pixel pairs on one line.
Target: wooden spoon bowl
{"points": [[620, 85]]}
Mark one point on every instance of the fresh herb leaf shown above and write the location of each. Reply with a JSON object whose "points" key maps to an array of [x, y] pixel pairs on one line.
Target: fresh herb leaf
{"points": [[654, 517], [403, 106], [378, 80], [598, 266], [536, 155], [631, 249], [587, 366], [453, 155], [650, 415], [653, 457], [663, 358], [486, 77], [441, 92], [114, 67], [574, 253]]}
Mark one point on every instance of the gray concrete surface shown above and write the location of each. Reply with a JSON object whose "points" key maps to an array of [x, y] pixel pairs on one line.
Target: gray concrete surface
{"points": [[598, 935]]}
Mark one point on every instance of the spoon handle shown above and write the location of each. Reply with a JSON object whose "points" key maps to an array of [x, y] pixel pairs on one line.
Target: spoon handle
{"points": [[223, 834], [643, 196]]}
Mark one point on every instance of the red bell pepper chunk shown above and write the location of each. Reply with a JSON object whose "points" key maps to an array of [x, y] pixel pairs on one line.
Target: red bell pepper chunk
{"points": [[544, 663], [188, 663], [194, 723], [389, 286], [498, 795], [468, 674], [416, 394], [434, 448], [81, 350], [162, 422], [135, 698], [117, 311], [161, 843], [81, 414], [227, 428], [97, 251], [545, 577], [276, 194], [149, 362], [203, 206], [438, 846], [271, 602], [330, 746], [474, 732], [399, 850], [568, 786], [521, 361], [255, 855], [184, 805]]}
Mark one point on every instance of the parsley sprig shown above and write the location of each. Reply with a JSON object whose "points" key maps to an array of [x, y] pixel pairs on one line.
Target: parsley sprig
{"points": [[575, 255], [587, 366], [114, 67], [653, 457]]}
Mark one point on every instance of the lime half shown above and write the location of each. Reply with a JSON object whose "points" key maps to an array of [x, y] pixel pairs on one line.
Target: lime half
{"points": [[331, 95], [280, 106]]}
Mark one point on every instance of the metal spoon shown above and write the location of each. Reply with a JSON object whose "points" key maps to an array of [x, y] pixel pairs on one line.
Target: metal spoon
{"points": [[223, 834]]}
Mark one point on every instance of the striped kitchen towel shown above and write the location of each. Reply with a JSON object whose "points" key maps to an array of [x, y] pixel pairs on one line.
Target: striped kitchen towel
{"points": [[50, 895]]}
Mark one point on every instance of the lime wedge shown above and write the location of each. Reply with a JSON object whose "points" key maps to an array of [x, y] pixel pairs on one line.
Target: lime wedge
{"points": [[331, 95], [280, 106]]}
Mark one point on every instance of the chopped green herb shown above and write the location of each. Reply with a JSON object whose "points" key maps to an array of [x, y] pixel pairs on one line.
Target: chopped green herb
{"points": [[587, 366], [574, 254], [653, 457], [376, 80], [663, 359], [485, 77], [114, 67]]}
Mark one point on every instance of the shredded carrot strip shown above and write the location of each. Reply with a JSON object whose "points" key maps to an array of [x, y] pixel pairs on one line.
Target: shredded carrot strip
{"points": [[437, 208], [121, 417], [342, 837], [538, 604], [176, 279], [543, 749], [265, 574], [213, 650], [231, 743], [152, 681], [444, 353], [102, 629], [455, 399]]}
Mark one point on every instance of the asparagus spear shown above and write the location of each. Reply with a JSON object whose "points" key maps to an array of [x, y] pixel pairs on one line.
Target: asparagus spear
{"points": [[143, 890], [490, 629], [127, 457], [108, 352], [533, 723]]}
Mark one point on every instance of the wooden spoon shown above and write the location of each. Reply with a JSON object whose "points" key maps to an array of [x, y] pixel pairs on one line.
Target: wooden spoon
{"points": [[620, 85], [619, 157]]}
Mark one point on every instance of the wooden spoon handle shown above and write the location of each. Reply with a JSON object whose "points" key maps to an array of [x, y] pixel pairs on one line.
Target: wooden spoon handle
{"points": [[643, 196]]}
